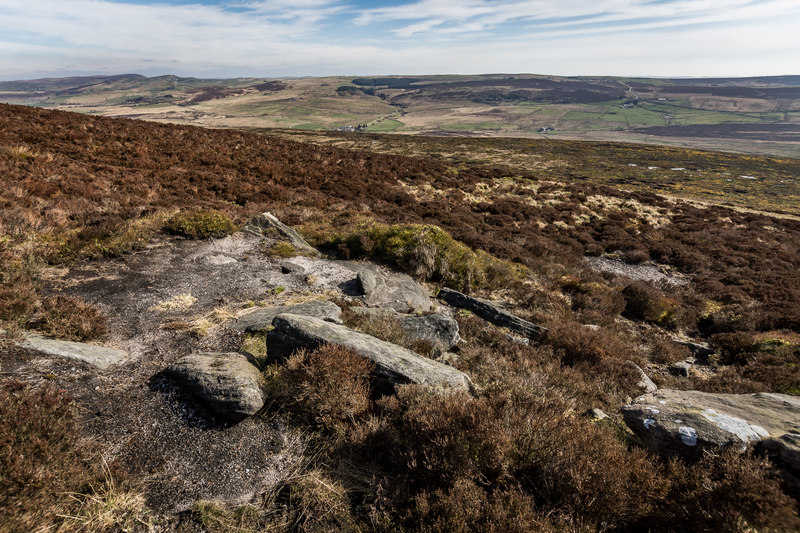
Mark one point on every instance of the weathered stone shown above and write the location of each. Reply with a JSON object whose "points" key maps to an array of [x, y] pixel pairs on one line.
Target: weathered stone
{"points": [[681, 368], [261, 319], [596, 414], [514, 339], [698, 349], [644, 383], [287, 267], [267, 222], [227, 383], [98, 356], [394, 290], [672, 422], [439, 330], [492, 313], [393, 364]]}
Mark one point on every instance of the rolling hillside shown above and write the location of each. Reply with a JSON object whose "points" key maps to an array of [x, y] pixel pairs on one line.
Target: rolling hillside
{"points": [[754, 115]]}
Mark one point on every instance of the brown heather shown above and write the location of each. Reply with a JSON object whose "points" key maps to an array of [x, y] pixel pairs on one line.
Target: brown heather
{"points": [[520, 456]]}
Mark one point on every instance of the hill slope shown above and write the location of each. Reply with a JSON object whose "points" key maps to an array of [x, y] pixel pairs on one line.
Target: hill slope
{"points": [[89, 210]]}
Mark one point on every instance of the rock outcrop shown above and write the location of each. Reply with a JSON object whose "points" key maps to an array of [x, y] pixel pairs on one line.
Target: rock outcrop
{"points": [[393, 364], [644, 382], [392, 290], [98, 356], [267, 223], [261, 319], [439, 330], [491, 313], [672, 422], [226, 383]]}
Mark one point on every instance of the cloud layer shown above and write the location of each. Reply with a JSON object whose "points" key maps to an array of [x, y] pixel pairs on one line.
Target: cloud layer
{"points": [[324, 37]]}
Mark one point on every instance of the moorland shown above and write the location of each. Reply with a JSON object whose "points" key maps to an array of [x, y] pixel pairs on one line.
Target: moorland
{"points": [[758, 115], [118, 232]]}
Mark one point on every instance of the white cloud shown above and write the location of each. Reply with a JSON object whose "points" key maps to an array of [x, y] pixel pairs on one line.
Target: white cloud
{"points": [[288, 37]]}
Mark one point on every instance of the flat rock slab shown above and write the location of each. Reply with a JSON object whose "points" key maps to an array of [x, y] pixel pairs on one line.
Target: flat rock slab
{"points": [[227, 383], [673, 422], [391, 289], [261, 319], [266, 223], [439, 330], [491, 313], [98, 356], [393, 364]]}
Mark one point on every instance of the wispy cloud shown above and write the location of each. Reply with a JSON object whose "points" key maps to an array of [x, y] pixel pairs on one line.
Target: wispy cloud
{"points": [[322, 37]]}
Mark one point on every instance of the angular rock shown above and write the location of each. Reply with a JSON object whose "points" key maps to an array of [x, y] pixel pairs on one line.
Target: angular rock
{"points": [[596, 414], [672, 422], [644, 383], [439, 330], [698, 349], [261, 319], [681, 368], [394, 290], [227, 383], [393, 364], [98, 356], [287, 267], [491, 313], [267, 222]]}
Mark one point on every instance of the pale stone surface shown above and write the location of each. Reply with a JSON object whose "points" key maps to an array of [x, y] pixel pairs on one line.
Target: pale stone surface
{"points": [[261, 319], [393, 364], [267, 222], [227, 383], [686, 422], [98, 356]]}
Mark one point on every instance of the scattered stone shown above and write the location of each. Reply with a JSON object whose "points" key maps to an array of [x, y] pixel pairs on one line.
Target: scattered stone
{"points": [[261, 319], [596, 414], [267, 222], [593, 327], [440, 330], [699, 349], [449, 358], [219, 260], [680, 368], [394, 290], [522, 341], [393, 364], [98, 356], [227, 383], [287, 267], [644, 383], [672, 422], [492, 313]]}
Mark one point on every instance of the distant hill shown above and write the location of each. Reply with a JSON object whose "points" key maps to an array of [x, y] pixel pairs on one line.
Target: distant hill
{"points": [[735, 114]]}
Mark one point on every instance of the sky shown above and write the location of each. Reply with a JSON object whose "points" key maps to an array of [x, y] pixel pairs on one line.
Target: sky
{"points": [[289, 38]]}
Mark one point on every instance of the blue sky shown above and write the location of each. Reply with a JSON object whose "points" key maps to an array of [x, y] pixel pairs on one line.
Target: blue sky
{"points": [[278, 38]]}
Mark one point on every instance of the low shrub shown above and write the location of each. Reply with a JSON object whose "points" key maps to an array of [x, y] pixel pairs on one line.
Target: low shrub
{"points": [[200, 224], [282, 249], [425, 252], [644, 302], [69, 318], [48, 474], [18, 297], [329, 386]]}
